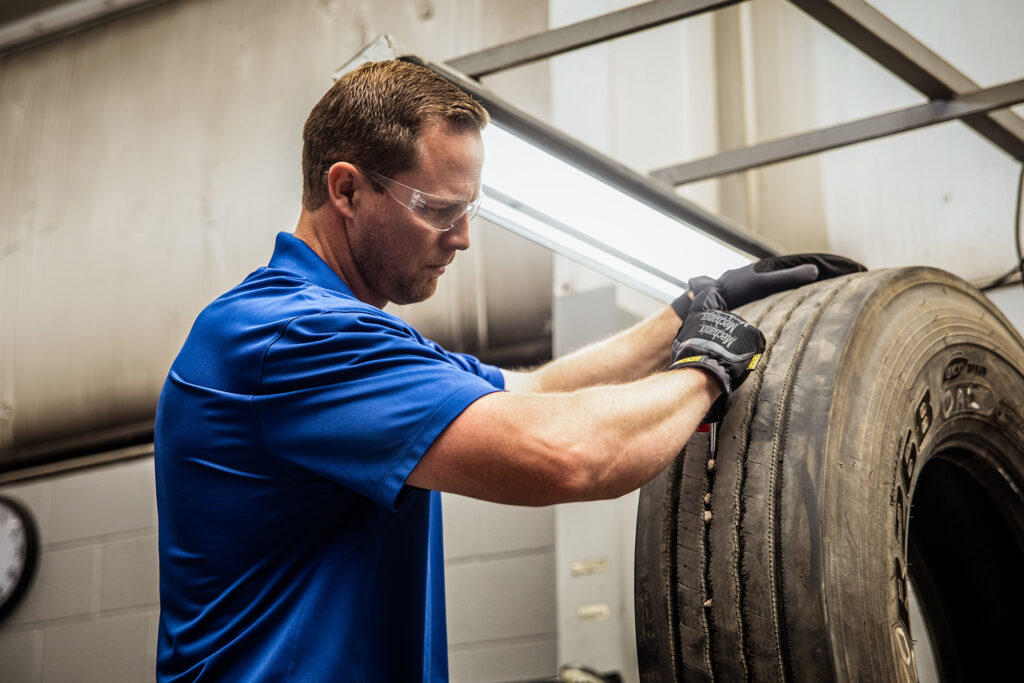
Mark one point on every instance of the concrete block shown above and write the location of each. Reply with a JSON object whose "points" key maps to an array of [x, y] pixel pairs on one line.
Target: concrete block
{"points": [[18, 656], [105, 500], [63, 587], [475, 527], [517, 661], [154, 633], [106, 650], [498, 599], [36, 497], [131, 574]]}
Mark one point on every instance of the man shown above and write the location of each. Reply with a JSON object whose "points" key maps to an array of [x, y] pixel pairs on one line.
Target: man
{"points": [[303, 433]]}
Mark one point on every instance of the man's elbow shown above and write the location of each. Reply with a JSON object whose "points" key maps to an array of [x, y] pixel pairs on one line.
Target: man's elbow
{"points": [[583, 473]]}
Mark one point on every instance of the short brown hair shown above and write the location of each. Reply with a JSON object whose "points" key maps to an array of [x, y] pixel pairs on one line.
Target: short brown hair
{"points": [[372, 118]]}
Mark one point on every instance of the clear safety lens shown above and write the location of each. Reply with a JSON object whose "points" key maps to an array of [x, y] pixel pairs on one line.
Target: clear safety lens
{"points": [[441, 213]]}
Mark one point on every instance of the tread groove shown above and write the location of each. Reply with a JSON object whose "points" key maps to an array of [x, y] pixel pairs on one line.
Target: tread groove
{"points": [[783, 418], [705, 568], [692, 566], [670, 572], [670, 564], [737, 546], [739, 535]]}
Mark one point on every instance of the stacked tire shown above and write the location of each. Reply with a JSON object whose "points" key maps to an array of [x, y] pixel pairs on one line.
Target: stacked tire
{"points": [[865, 493]]}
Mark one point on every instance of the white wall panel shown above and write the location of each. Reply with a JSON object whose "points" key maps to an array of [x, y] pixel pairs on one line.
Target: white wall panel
{"points": [[504, 662], [476, 529], [499, 600]]}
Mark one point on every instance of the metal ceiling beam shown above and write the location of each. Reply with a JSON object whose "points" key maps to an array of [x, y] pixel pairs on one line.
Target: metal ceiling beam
{"points": [[62, 19], [582, 34], [878, 37], [967, 106]]}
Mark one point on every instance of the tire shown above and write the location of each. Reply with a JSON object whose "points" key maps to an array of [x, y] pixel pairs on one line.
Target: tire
{"points": [[878, 447]]}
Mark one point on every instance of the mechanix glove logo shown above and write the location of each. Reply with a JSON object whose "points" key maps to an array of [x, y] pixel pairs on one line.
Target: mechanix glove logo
{"points": [[721, 344]]}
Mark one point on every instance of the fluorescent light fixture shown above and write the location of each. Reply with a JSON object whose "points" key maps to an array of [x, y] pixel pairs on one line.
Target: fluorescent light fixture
{"points": [[547, 200], [555, 191]]}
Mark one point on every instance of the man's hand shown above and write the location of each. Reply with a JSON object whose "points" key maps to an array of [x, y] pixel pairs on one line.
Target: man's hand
{"points": [[767, 276], [719, 343]]}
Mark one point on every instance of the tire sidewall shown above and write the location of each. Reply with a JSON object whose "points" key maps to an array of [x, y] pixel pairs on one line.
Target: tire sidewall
{"points": [[924, 395]]}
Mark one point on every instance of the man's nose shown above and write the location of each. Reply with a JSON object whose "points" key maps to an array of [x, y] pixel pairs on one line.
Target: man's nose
{"points": [[458, 236]]}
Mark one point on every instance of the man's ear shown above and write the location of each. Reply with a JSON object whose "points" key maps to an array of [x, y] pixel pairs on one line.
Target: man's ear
{"points": [[341, 185]]}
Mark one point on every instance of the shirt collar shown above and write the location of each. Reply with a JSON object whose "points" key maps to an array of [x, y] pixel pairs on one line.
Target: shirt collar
{"points": [[294, 255]]}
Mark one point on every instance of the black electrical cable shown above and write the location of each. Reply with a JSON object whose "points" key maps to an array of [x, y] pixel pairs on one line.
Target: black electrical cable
{"points": [[1002, 281], [1018, 268], [1016, 226]]}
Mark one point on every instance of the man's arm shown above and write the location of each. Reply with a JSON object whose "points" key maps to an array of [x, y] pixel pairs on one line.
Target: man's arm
{"points": [[598, 442], [544, 448], [626, 356]]}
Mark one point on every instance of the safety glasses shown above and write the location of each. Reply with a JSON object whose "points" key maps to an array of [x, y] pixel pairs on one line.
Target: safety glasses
{"points": [[441, 213]]}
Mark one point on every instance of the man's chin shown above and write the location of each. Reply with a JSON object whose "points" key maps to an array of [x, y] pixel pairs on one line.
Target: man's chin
{"points": [[417, 293]]}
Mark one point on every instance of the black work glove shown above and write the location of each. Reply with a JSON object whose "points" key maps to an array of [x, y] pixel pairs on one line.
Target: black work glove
{"points": [[768, 276], [719, 343]]}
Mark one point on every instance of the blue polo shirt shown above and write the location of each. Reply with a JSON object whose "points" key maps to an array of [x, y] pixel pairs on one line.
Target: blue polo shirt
{"points": [[291, 548]]}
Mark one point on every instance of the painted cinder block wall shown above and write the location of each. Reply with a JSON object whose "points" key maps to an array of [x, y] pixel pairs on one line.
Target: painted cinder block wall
{"points": [[91, 611]]}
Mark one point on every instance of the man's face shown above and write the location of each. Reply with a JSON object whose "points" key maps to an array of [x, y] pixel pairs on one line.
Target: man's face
{"points": [[400, 256]]}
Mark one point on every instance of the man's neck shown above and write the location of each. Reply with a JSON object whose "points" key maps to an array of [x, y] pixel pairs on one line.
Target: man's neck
{"points": [[324, 232]]}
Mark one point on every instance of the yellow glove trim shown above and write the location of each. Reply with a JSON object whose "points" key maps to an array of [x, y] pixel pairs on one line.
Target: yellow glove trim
{"points": [[690, 359]]}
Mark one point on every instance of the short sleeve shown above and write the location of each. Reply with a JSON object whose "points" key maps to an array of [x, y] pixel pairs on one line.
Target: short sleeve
{"points": [[491, 373], [358, 398]]}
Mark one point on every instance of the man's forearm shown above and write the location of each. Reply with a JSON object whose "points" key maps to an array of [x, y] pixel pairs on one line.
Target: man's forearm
{"points": [[544, 448], [626, 356], [632, 431]]}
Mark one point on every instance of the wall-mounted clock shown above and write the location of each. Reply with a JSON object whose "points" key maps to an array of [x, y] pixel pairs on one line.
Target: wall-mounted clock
{"points": [[18, 552]]}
